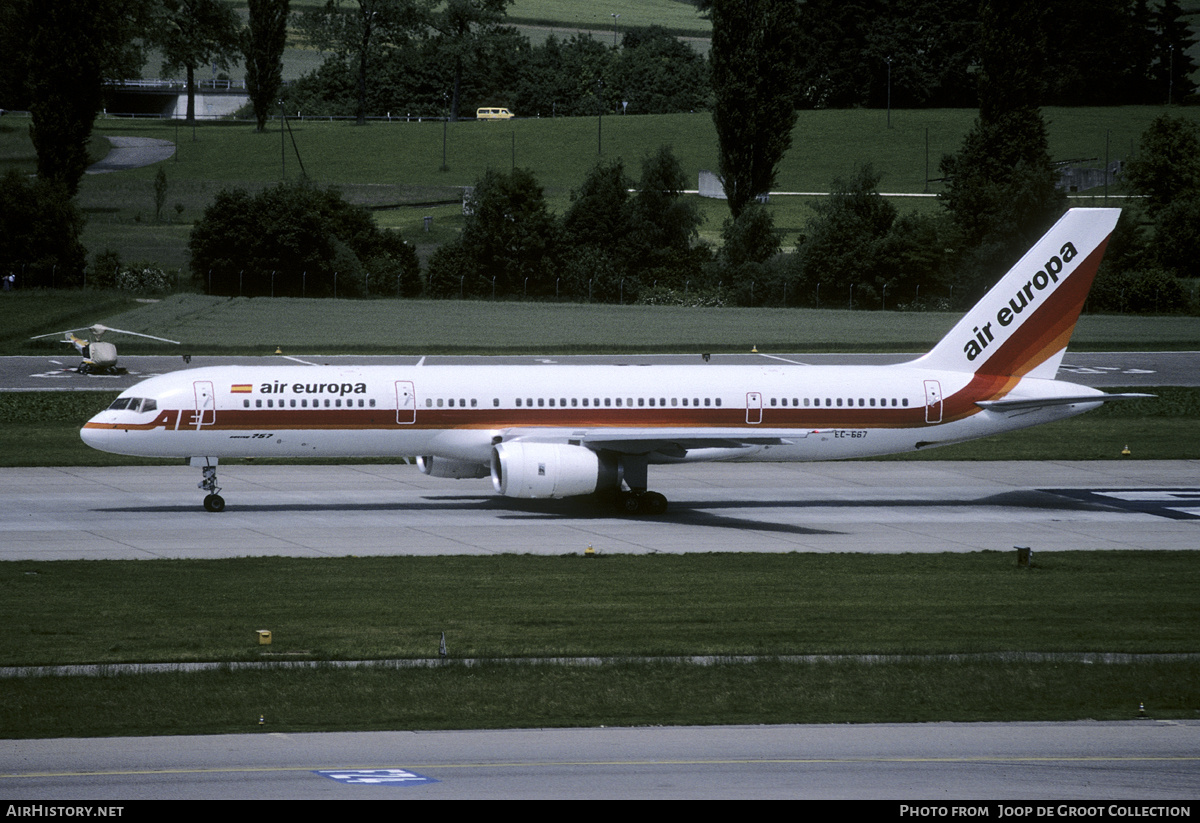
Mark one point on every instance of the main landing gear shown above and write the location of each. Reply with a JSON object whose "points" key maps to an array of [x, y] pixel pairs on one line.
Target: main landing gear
{"points": [[638, 500], [642, 502], [213, 502]]}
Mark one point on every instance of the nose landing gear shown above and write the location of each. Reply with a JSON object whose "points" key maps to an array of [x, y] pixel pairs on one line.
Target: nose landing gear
{"points": [[213, 502]]}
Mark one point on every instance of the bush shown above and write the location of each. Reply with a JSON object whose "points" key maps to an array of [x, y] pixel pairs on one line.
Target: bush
{"points": [[297, 240], [143, 278], [1138, 291]]}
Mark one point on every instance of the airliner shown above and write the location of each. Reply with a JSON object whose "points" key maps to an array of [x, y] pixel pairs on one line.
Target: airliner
{"points": [[567, 430]]}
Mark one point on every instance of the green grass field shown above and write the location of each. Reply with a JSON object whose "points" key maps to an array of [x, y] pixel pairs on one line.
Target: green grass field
{"points": [[214, 325], [511, 608], [399, 163]]}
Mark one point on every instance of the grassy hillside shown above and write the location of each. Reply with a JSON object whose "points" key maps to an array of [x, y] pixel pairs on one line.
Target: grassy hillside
{"points": [[398, 164]]}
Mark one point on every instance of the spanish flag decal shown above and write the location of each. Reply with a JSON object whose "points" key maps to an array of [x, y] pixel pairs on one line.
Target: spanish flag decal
{"points": [[242, 388]]}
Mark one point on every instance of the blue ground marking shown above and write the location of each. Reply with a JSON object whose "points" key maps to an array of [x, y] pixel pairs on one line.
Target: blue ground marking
{"points": [[377, 777]]}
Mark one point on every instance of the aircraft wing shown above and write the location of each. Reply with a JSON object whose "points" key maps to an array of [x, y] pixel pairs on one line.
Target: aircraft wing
{"points": [[1019, 404], [653, 441]]}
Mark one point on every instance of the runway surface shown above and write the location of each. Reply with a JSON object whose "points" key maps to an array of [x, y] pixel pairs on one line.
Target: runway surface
{"points": [[1086, 764], [322, 511]]}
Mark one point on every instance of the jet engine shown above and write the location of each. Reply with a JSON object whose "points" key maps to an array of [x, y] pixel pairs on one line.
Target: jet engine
{"points": [[456, 469], [550, 470]]}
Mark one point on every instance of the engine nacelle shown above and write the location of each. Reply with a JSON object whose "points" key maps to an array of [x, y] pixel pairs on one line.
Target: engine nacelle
{"points": [[445, 467], [550, 470]]}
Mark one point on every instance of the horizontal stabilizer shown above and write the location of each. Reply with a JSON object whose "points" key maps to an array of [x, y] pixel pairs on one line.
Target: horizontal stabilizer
{"points": [[1042, 402]]}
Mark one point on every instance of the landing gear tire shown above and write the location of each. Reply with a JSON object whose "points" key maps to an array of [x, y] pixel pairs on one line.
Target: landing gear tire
{"points": [[637, 503], [214, 503], [631, 503], [654, 503]]}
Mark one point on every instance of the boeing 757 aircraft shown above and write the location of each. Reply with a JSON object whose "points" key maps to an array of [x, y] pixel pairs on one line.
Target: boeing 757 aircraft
{"points": [[563, 430]]}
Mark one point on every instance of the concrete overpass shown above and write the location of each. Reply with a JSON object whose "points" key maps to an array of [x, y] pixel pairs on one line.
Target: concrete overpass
{"points": [[168, 98]]}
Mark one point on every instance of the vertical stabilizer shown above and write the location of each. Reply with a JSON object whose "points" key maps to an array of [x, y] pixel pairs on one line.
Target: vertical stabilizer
{"points": [[1022, 325]]}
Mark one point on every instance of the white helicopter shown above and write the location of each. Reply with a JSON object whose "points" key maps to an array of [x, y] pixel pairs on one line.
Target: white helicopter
{"points": [[98, 357]]}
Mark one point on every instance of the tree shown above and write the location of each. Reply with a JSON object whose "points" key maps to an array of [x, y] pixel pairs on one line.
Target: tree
{"points": [[193, 33], [656, 73], [663, 224], [39, 233], [1172, 40], [753, 59], [263, 42], [1001, 192], [509, 239], [1167, 165], [560, 77], [843, 240], [599, 213], [294, 239], [361, 31], [66, 51], [461, 22]]}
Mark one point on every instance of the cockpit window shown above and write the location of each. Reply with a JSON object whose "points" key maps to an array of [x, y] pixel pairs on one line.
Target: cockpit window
{"points": [[136, 404]]}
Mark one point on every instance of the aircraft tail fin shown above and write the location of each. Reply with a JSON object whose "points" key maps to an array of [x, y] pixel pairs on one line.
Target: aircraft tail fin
{"points": [[1022, 325]]}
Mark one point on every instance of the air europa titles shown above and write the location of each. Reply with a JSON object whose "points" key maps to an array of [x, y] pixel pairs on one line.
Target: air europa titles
{"points": [[1020, 301], [341, 389]]}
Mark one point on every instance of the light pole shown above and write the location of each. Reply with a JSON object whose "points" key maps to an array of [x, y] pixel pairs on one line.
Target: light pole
{"points": [[1171, 76], [889, 93], [614, 17], [599, 114]]}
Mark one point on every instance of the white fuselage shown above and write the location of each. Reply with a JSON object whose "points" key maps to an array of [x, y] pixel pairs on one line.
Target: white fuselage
{"points": [[777, 412]]}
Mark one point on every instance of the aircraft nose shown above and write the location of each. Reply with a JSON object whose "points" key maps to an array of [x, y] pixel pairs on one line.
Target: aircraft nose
{"points": [[95, 436]]}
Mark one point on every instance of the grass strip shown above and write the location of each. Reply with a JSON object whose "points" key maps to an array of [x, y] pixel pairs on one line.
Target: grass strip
{"points": [[522, 606], [241, 325], [632, 694]]}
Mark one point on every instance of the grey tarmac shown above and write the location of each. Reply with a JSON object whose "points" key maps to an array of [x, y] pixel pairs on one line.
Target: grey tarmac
{"points": [[1079, 765], [392, 509]]}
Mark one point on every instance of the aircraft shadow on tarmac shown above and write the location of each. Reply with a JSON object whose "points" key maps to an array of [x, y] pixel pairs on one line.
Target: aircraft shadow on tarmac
{"points": [[682, 512]]}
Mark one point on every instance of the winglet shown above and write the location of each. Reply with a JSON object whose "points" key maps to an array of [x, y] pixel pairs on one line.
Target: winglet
{"points": [[1022, 325]]}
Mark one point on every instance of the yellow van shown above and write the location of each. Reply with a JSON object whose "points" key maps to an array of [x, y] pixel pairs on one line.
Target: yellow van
{"points": [[493, 114]]}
